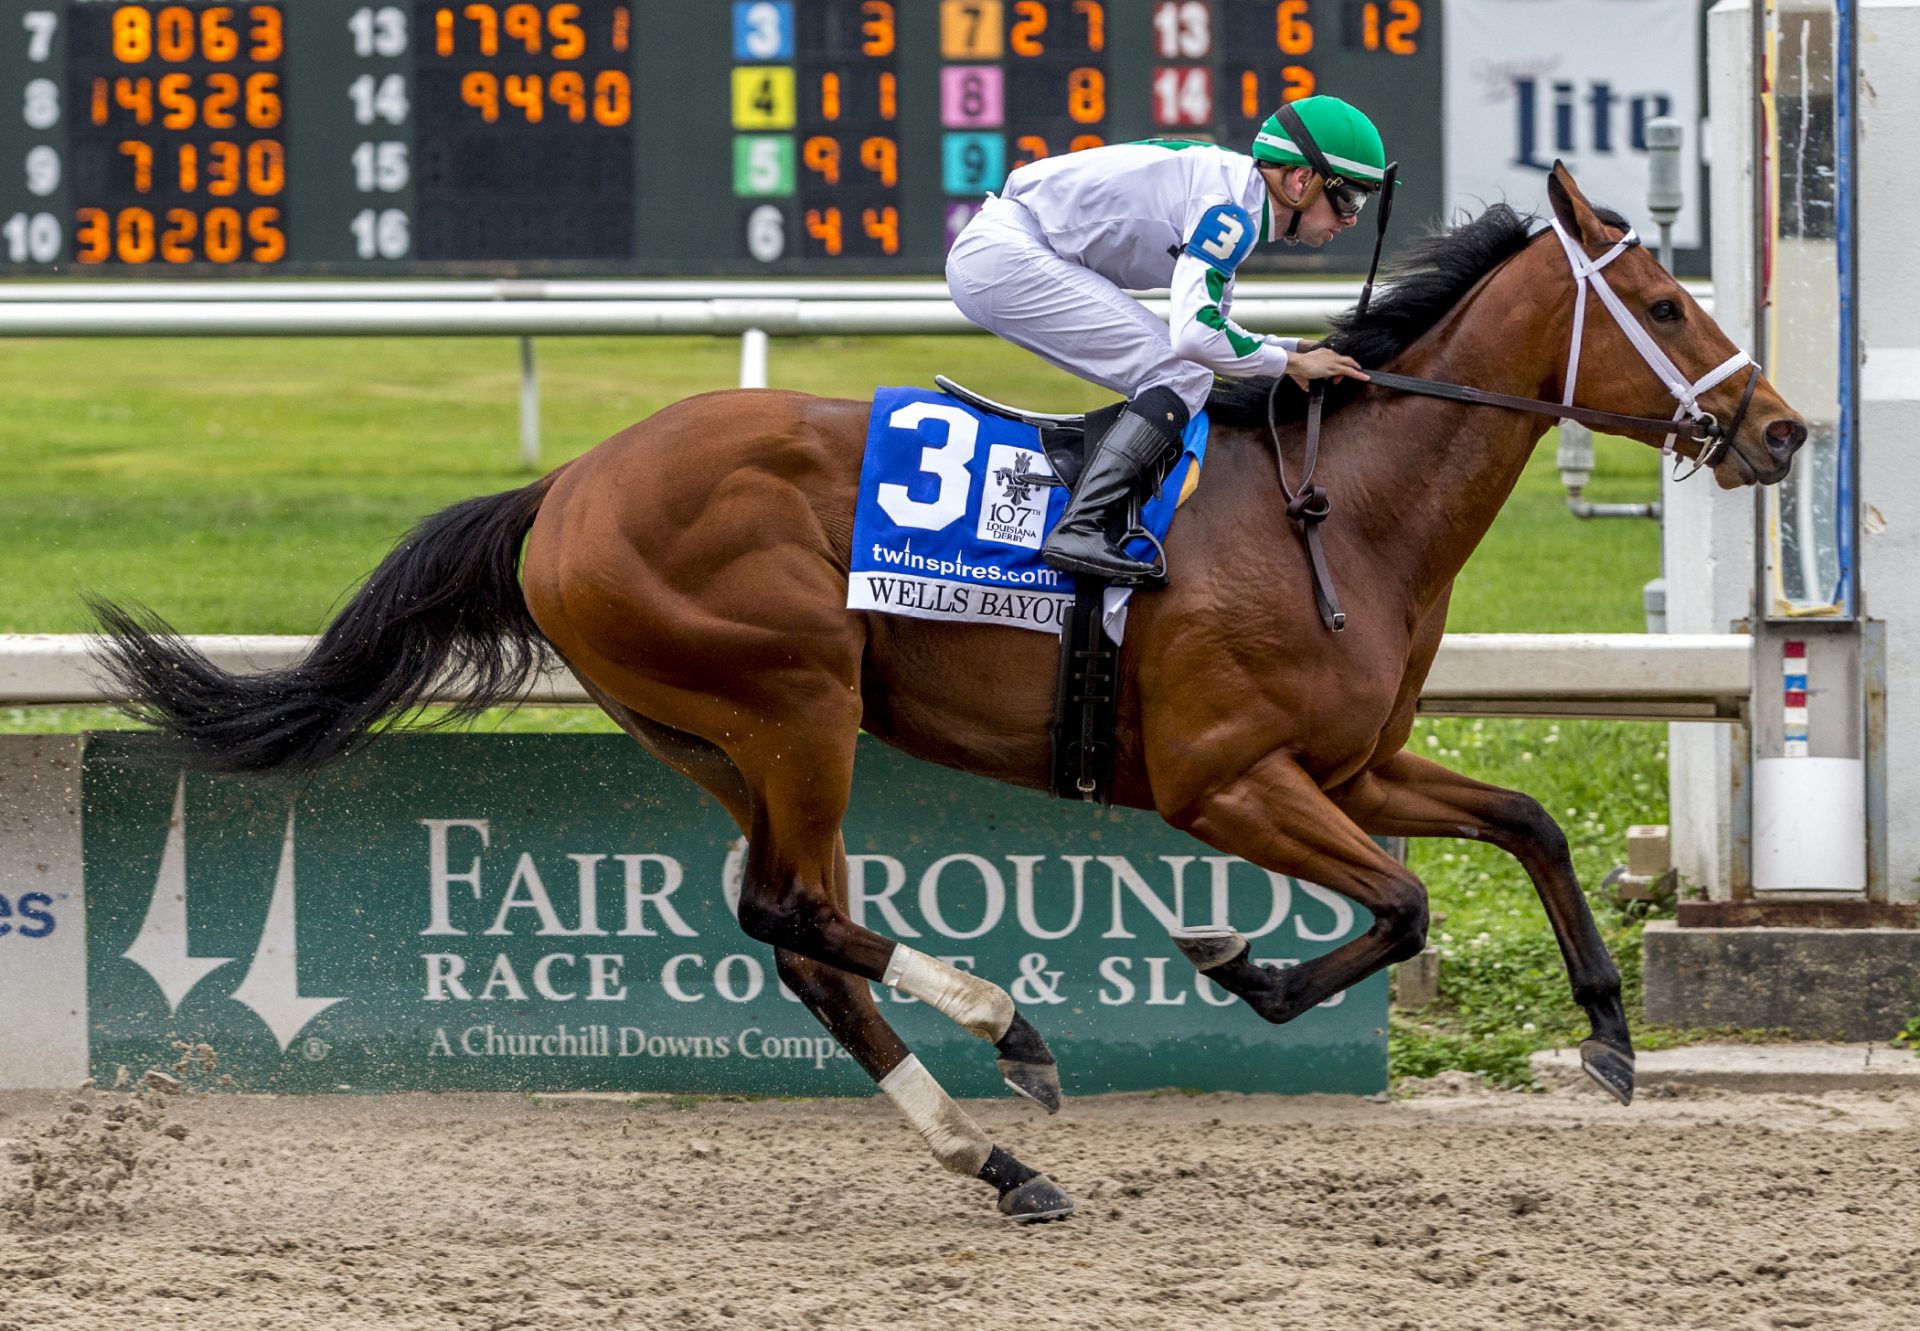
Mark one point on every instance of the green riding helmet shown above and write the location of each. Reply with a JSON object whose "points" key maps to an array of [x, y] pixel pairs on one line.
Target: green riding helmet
{"points": [[1349, 146]]}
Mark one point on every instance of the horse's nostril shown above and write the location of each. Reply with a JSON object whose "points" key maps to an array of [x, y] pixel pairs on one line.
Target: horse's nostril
{"points": [[1785, 435]]}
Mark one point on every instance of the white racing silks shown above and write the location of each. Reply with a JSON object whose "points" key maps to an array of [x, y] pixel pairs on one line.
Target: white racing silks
{"points": [[956, 1140], [978, 1005]]}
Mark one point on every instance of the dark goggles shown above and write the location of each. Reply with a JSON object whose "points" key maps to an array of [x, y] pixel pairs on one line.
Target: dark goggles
{"points": [[1346, 197]]}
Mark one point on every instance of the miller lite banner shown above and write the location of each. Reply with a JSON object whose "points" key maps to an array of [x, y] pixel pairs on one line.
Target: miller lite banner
{"points": [[557, 912], [1528, 81]]}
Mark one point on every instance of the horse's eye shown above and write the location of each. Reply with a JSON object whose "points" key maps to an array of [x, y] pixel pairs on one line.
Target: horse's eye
{"points": [[1665, 311]]}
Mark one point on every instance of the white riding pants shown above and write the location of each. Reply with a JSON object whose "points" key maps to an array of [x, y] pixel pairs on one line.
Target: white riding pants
{"points": [[1004, 276]]}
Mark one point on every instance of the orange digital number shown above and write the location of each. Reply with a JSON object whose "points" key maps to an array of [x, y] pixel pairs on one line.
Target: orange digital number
{"points": [[223, 94], [176, 241], [1028, 148], [1298, 82], [93, 241], [142, 155], [176, 99], [223, 238], [823, 224], [263, 100], [889, 97], [223, 169], [132, 37], [266, 167], [1095, 15], [135, 95], [1402, 26], [481, 91], [567, 90], [570, 39], [173, 33], [876, 28], [268, 39], [821, 154], [133, 236], [527, 92], [1029, 21], [187, 168], [443, 32], [829, 96], [1086, 96], [882, 157], [1250, 103], [1081, 142], [622, 23], [612, 98], [269, 241], [522, 24], [219, 38], [883, 225], [1292, 28], [488, 21]]}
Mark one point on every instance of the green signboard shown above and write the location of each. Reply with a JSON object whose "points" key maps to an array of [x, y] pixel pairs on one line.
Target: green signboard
{"points": [[553, 913]]}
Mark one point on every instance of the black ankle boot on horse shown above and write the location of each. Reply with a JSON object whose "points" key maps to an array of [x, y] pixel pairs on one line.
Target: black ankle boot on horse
{"points": [[1131, 457]]}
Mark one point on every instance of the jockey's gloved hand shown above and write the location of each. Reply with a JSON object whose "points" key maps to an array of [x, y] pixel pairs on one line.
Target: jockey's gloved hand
{"points": [[1322, 362]]}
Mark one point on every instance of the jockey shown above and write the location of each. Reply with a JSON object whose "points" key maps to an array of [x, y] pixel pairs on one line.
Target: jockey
{"points": [[1044, 262]]}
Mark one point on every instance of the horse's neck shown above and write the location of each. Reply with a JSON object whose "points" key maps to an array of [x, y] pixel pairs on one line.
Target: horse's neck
{"points": [[1429, 476]]}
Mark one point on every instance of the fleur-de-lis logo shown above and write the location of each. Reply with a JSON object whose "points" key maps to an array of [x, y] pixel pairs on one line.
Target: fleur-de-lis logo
{"points": [[1017, 480]]}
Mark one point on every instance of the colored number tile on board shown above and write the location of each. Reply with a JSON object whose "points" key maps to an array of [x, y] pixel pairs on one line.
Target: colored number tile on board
{"points": [[972, 163], [763, 98], [972, 97], [971, 29], [763, 166], [763, 30], [958, 215]]}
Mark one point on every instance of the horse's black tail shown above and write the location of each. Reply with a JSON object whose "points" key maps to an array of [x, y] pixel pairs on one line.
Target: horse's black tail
{"points": [[445, 604]]}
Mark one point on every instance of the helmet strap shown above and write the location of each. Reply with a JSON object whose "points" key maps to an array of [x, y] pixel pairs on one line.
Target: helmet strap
{"points": [[1315, 183]]}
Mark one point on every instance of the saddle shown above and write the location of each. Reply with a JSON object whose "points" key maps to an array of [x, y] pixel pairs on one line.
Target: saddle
{"points": [[1087, 683]]}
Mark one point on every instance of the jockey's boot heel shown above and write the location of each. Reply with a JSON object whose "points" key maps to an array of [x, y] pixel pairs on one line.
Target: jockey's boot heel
{"points": [[1138, 445]]}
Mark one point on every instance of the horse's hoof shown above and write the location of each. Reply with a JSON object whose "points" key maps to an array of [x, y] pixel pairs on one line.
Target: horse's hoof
{"points": [[1039, 1198], [1610, 1067], [1039, 1082], [1209, 949]]}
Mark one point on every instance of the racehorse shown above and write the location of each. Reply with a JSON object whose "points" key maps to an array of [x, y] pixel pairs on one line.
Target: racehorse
{"points": [[693, 569]]}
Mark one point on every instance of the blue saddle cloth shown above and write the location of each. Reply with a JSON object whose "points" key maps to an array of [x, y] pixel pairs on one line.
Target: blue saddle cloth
{"points": [[951, 516]]}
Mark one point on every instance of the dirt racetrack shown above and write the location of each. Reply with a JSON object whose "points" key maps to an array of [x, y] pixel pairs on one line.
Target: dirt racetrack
{"points": [[1470, 1210]]}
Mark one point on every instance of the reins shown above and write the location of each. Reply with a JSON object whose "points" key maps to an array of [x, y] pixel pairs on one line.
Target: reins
{"points": [[1311, 505]]}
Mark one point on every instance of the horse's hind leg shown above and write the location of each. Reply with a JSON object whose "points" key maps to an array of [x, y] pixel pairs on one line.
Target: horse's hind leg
{"points": [[1411, 796], [1276, 817], [844, 1004]]}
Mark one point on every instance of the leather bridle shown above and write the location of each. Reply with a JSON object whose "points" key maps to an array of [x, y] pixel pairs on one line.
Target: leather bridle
{"points": [[1310, 505]]}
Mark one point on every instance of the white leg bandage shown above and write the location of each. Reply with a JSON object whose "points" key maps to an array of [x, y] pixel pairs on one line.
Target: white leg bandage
{"points": [[956, 1140], [976, 1004]]}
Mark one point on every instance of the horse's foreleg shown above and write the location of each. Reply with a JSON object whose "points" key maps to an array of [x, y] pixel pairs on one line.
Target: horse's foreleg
{"points": [[1411, 796], [1276, 817]]}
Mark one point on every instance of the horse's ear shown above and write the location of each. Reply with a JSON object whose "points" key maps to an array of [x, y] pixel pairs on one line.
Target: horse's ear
{"points": [[1571, 209]]}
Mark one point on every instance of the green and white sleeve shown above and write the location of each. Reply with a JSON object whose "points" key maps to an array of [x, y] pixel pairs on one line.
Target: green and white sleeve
{"points": [[1202, 332]]}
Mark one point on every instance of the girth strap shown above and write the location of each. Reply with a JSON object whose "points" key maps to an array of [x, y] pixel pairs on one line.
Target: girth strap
{"points": [[1310, 505]]}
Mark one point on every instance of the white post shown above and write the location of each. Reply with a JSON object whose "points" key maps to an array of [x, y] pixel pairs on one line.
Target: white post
{"points": [[753, 358], [529, 407]]}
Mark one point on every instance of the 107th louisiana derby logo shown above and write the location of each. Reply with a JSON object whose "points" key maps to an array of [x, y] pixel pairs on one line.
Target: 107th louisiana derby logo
{"points": [[1013, 509]]}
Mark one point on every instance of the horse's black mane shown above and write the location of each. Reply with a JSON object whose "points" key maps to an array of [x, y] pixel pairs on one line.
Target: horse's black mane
{"points": [[1428, 280]]}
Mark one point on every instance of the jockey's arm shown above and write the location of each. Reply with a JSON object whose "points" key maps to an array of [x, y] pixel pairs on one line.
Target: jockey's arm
{"points": [[1202, 295]]}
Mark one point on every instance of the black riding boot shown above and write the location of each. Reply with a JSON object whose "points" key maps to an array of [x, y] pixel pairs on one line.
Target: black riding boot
{"points": [[1145, 437]]}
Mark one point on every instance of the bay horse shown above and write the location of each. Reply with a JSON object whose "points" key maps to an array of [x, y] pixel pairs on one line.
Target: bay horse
{"points": [[692, 571]]}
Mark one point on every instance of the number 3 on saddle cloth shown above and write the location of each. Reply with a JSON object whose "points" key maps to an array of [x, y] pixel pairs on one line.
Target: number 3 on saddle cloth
{"points": [[953, 506]]}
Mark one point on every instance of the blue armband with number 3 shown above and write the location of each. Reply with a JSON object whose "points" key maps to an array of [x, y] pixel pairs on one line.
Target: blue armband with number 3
{"points": [[1223, 238]]}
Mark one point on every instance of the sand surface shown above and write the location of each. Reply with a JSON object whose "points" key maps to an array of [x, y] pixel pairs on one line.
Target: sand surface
{"points": [[1458, 1208]]}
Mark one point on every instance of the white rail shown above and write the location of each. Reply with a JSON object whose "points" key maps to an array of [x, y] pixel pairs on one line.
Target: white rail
{"points": [[1619, 676]]}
